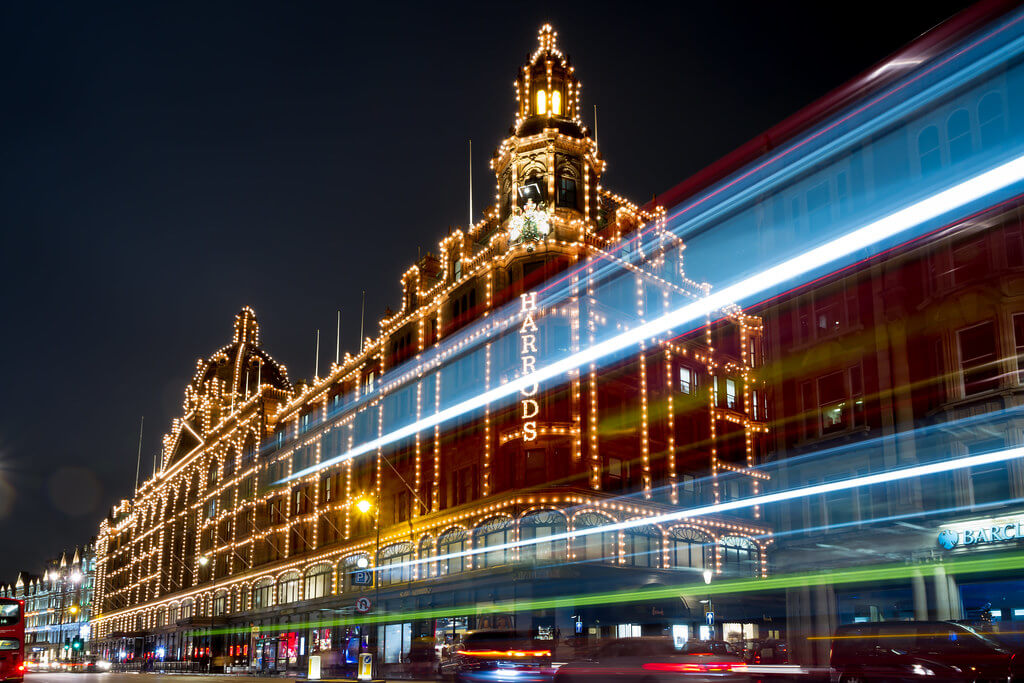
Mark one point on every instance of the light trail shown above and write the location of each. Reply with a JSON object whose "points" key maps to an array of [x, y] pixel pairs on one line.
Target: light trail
{"points": [[1009, 562], [928, 209], [717, 508]]}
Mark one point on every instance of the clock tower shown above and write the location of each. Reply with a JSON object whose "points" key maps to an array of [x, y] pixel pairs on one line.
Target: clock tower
{"points": [[548, 170]]}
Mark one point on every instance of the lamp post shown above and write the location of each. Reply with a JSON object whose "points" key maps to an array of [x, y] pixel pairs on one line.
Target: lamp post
{"points": [[708, 575], [203, 561], [364, 506]]}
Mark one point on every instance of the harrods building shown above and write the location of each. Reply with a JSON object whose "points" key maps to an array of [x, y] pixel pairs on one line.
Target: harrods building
{"points": [[225, 553]]}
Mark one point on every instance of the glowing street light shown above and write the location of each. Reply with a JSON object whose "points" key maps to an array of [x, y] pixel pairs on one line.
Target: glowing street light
{"points": [[364, 505], [204, 560]]}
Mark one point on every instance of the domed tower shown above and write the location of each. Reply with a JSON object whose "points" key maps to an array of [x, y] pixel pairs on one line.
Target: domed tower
{"points": [[548, 170]]}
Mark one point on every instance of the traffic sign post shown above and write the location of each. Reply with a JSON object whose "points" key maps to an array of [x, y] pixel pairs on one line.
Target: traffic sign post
{"points": [[362, 578], [363, 605]]}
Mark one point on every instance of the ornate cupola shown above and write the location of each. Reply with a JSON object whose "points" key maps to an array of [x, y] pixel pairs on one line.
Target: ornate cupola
{"points": [[548, 170]]}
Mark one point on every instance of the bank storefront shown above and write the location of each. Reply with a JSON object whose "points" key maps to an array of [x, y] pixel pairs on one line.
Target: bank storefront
{"points": [[968, 569]]}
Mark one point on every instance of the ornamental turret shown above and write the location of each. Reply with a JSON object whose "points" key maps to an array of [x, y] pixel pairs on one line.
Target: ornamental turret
{"points": [[548, 170]]}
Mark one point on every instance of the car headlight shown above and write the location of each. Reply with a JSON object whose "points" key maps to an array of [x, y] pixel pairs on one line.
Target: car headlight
{"points": [[919, 670]]}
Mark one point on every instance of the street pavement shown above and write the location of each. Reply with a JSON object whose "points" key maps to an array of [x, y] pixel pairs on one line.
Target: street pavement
{"points": [[48, 677]]}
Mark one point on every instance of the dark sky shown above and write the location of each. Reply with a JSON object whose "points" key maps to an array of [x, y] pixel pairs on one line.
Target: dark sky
{"points": [[165, 163]]}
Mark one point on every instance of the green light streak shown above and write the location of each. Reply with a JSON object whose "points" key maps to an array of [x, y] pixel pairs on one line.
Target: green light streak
{"points": [[864, 575]]}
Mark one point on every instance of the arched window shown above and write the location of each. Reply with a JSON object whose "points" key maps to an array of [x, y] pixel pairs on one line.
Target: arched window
{"points": [[220, 603], [542, 102], [566, 187], [188, 608], [689, 549], [643, 546], [263, 593], [597, 546], [493, 533], [540, 525], [556, 102], [318, 582], [288, 588], [425, 569], [451, 542], [958, 131], [740, 556], [347, 566], [928, 150], [394, 564], [990, 119]]}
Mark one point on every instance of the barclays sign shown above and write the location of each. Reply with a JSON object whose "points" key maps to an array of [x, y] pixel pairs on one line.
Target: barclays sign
{"points": [[981, 533]]}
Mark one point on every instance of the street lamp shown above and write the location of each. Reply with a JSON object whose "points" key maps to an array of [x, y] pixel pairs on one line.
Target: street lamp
{"points": [[708, 575], [203, 561], [364, 505]]}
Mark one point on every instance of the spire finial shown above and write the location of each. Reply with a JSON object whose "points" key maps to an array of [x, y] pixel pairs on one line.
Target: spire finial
{"points": [[547, 37]]}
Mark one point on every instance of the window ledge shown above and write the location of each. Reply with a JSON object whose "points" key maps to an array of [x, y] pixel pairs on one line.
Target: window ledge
{"points": [[845, 434]]}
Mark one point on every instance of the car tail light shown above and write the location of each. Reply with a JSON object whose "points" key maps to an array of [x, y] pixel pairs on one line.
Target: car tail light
{"points": [[694, 667]]}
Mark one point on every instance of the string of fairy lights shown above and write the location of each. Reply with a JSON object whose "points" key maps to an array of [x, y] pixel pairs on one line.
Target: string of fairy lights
{"points": [[172, 527]]}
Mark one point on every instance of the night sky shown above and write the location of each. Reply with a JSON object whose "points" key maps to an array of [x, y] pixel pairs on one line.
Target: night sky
{"points": [[164, 164]]}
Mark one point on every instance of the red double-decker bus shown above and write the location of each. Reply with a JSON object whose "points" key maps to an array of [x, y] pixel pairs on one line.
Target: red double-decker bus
{"points": [[12, 639]]}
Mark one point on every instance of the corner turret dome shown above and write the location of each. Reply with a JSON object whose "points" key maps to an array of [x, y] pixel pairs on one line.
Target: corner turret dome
{"points": [[547, 91]]}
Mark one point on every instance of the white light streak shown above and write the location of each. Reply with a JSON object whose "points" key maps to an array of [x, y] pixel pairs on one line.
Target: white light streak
{"points": [[717, 508], [932, 207]]}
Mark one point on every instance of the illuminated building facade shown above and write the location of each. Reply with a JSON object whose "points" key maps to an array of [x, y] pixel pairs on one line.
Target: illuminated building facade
{"points": [[910, 355], [240, 528], [58, 606]]}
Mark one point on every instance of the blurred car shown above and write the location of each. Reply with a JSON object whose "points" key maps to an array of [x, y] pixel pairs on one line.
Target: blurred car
{"points": [[656, 660], [714, 647], [500, 656], [768, 651], [920, 650]]}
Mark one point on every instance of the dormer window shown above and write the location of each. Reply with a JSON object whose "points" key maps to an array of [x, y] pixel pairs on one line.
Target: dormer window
{"points": [[556, 102], [542, 102]]}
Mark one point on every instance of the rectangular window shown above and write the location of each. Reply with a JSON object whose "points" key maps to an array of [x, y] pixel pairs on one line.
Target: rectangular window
{"points": [[567, 192], [970, 260], [978, 360], [686, 380], [808, 407], [833, 403], [826, 315], [1014, 247], [857, 395], [730, 394], [689, 485], [1018, 342], [755, 402], [536, 466]]}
